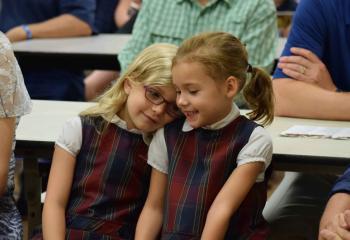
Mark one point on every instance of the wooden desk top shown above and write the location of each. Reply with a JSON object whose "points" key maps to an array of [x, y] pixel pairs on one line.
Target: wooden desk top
{"points": [[106, 44], [43, 125], [93, 52]]}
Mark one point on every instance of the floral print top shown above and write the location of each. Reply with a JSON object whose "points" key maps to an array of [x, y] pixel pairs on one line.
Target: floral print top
{"points": [[14, 98]]}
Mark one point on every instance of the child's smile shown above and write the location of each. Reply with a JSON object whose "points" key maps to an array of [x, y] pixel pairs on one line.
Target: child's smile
{"points": [[202, 100]]}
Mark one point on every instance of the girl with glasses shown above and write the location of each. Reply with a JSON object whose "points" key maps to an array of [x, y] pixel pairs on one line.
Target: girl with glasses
{"points": [[99, 176], [209, 177]]}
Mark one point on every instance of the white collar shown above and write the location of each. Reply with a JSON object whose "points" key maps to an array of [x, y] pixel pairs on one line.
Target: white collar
{"points": [[122, 124]]}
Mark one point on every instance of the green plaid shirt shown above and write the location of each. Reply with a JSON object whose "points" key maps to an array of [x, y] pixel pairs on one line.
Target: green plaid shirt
{"points": [[172, 21]]}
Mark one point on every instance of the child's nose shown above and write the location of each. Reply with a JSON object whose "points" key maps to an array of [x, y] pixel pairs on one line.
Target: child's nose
{"points": [[181, 100]]}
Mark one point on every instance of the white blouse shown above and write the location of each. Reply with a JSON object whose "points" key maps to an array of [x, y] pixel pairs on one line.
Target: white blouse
{"points": [[70, 137]]}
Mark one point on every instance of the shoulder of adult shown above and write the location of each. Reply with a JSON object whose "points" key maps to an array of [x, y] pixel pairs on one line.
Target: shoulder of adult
{"points": [[342, 184], [82, 9]]}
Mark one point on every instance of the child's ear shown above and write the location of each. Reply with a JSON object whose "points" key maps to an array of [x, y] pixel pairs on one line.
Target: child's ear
{"points": [[232, 86], [127, 85]]}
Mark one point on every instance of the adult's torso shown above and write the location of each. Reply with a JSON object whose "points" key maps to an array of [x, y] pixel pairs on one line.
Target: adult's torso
{"points": [[323, 27], [174, 21]]}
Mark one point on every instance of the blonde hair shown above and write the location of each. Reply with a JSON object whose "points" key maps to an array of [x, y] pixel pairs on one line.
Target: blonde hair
{"points": [[151, 67], [222, 56]]}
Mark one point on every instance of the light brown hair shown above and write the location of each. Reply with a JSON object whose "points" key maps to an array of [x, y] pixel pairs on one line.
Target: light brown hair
{"points": [[223, 55]]}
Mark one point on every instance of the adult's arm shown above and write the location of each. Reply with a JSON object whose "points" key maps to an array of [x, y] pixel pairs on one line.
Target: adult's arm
{"points": [[121, 15], [305, 100], [58, 190], [261, 35], [125, 10], [7, 129], [65, 25], [75, 18], [15, 102], [308, 98]]}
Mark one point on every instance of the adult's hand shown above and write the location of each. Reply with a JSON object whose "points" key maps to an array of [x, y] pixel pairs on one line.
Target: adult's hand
{"points": [[338, 228], [307, 67], [16, 34]]}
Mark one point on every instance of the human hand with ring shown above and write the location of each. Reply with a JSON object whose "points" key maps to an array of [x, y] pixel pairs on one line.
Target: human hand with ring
{"points": [[305, 66]]}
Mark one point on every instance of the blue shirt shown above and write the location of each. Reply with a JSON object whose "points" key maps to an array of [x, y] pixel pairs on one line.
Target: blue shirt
{"points": [[17, 12], [323, 27], [287, 5], [343, 183], [104, 16], [53, 83]]}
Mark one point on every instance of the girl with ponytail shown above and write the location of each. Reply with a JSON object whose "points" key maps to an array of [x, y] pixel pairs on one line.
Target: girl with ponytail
{"points": [[209, 177]]}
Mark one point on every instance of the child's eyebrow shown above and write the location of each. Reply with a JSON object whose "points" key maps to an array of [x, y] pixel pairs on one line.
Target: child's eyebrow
{"points": [[189, 85]]}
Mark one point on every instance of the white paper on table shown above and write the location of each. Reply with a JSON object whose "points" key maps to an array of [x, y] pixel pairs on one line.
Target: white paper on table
{"points": [[316, 131]]}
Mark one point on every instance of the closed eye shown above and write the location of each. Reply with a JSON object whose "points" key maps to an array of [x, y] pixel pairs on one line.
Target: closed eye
{"points": [[154, 94]]}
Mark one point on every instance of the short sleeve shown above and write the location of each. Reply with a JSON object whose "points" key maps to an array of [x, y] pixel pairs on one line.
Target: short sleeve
{"points": [[342, 184], [70, 137], [157, 152], [308, 31], [14, 98], [104, 16], [82, 9], [258, 149]]}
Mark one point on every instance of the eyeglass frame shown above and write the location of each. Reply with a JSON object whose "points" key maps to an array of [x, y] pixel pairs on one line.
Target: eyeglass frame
{"points": [[177, 113]]}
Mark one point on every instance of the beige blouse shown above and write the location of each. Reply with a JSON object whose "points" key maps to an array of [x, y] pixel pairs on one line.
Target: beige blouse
{"points": [[14, 98]]}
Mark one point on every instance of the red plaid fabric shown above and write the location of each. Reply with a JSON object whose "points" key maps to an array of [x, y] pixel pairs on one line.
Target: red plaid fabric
{"points": [[200, 162], [110, 183]]}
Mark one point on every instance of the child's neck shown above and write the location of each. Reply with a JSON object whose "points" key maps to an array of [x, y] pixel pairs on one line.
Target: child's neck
{"points": [[122, 114]]}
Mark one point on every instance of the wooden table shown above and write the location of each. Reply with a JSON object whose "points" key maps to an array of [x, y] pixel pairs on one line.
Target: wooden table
{"points": [[35, 137], [37, 132], [92, 52], [308, 154]]}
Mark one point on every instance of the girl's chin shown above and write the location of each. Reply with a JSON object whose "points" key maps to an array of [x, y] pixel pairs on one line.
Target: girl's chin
{"points": [[147, 129], [193, 124]]}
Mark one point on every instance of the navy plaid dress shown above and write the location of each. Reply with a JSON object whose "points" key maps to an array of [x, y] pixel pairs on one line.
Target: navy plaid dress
{"points": [[110, 183], [200, 162]]}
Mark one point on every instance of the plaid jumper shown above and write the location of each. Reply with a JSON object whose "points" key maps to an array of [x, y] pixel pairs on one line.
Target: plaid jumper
{"points": [[200, 162], [110, 183]]}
